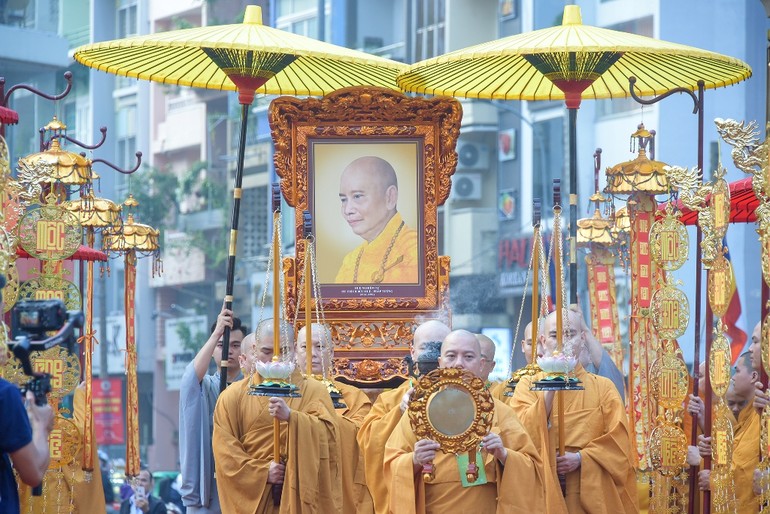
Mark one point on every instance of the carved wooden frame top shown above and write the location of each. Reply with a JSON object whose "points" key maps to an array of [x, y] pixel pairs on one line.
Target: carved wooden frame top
{"points": [[371, 114]]}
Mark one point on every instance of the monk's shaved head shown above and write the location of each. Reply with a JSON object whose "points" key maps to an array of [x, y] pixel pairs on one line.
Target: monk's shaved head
{"points": [[461, 349], [487, 347], [376, 169]]}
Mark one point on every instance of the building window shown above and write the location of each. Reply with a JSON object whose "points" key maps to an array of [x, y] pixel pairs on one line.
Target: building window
{"points": [[301, 17], [255, 234], [127, 24], [430, 20], [639, 26]]}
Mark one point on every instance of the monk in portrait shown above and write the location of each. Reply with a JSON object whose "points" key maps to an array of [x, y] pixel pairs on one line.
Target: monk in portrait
{"points": [[389, 253]]}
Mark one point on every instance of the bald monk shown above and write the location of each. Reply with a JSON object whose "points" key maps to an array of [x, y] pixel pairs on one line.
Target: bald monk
{"points": [[369, 198], [597, 461], [385, 415], [85, 496], [511, 463], [355, 495], [243, 444]]}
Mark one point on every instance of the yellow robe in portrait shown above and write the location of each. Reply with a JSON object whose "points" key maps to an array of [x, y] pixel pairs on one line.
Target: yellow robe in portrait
{"points": [[243, 450], [372, 436], [388, 259], [72, 491], [498, 389], [746, 458], [515, 488], [355, 495], [596, 424]]}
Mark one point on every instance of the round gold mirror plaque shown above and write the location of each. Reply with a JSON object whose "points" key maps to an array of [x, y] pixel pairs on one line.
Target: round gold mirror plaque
{"points": [[452, 407]]}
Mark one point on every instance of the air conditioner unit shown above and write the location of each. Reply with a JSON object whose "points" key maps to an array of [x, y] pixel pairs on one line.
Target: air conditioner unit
{"points": [[466, 186], [472, 155]]}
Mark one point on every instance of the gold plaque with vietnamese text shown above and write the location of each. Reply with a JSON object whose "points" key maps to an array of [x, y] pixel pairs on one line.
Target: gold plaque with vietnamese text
{"points": [[669, 243], [721, 285], [719, 364], [670, 312]]}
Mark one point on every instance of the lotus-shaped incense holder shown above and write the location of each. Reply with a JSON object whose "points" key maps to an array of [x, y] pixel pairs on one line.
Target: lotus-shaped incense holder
{"points": [[275, 370], [557, 364]]}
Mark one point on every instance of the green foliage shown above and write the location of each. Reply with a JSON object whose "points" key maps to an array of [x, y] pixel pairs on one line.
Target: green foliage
{"points": [[191, 341], [157, 197]]}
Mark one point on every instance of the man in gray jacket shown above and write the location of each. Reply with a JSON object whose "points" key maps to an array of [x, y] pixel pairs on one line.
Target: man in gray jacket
{"points": [[198, 395]]}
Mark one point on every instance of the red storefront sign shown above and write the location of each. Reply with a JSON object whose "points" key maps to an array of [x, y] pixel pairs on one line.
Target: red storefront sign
{"points": [[108, 410]]}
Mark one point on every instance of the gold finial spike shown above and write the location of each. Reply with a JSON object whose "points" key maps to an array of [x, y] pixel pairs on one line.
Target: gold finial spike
{"points": [[131, 201], [572, 15], [55, 124], [253, 15]]}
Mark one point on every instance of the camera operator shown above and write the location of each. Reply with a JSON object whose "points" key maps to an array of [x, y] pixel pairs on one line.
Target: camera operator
{"points": [[23, 440]]}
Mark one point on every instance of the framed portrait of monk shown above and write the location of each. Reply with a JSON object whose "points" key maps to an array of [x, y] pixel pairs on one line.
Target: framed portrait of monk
{"points": [[374, 246], [371, 166]]}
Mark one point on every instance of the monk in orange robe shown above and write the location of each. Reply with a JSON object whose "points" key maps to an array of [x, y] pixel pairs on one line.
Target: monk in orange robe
{"points": [[355, 495], [243, 447], [385, 415], [369, 198], [597, 461], [84, 496], [513, 474]]}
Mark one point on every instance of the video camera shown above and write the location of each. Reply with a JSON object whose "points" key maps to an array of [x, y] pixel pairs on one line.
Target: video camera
{"points": [[31, 322]]}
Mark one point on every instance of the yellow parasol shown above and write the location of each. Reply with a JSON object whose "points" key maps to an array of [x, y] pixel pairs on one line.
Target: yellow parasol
{"points": [[571, 62], [249, 58]]}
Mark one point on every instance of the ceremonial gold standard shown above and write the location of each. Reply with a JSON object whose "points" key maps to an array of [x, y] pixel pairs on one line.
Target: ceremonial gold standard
{"points": [[719, 362], [669, 242], [721, 285], [670, 312], [50, 232], [452, 407]]}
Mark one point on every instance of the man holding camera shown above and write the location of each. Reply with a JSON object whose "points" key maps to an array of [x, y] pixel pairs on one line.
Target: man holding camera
{"points": [[142, 502], [23, 441]]}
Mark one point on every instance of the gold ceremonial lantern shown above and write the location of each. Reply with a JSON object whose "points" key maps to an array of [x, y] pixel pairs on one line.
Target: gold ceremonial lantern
{"points": [[596, 229], [640, 174], [452, 407], [58, 164], [95, 212], [132, 235]]}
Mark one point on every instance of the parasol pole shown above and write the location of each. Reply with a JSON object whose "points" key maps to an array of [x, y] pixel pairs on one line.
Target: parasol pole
{"points": [[276, 324], [237, 192], [536, 215], [697, 109]]}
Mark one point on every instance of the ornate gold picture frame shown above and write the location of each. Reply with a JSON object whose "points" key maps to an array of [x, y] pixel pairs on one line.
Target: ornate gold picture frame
{"points": [[371, 315]]}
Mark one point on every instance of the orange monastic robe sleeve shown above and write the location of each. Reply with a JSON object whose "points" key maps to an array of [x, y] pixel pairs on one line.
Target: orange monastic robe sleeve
{"points": [[516, 487], [355, 495], [372, 436]]}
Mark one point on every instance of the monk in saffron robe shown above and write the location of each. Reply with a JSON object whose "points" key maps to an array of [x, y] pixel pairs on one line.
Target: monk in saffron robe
{"points": [[513, 476], [243, 447], [369, 198], [386, 413], [355, 495], [597, 462]]}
